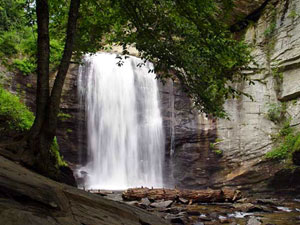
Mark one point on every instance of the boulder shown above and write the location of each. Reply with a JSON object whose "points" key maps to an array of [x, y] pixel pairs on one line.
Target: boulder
{"points": [[29, 198]]}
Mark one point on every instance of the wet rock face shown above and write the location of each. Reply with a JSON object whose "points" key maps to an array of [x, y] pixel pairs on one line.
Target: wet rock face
{"points": [[190, 160], [71, 130]]}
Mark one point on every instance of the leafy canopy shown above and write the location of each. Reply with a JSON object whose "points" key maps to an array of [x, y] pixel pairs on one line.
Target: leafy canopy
{"points": [[187, 41]]}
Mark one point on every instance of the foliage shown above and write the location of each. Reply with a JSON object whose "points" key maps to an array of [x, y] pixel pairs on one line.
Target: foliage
{"points": [[276, 112], [293, 14], [213, 147], [218, 152], [15, 114], [189, 41], [24, 66], [55, 151], [69, 130], [11, 13], [270, 29], [64, 116], [268, 33], [288, 141], [18, 40]]}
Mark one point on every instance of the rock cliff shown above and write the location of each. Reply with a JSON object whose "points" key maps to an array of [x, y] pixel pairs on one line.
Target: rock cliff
{"points": [[243, 141]]}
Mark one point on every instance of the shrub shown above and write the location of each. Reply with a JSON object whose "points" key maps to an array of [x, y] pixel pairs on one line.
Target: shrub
{"points": [[15, 114], [276, 112], [25, 66], [287, 140]]}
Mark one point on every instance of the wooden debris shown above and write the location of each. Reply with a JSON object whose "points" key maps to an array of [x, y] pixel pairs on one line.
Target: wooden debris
{"points": [[207, 195]]}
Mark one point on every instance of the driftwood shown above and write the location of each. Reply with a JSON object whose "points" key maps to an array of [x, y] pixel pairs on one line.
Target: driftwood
{"points": [[206, 196]]}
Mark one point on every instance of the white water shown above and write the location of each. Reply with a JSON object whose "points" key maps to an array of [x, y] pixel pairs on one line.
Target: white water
{"points": [[125, 135]]}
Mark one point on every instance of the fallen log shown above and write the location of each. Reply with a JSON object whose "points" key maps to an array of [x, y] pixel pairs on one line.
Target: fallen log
{"points": [[205, 196]]}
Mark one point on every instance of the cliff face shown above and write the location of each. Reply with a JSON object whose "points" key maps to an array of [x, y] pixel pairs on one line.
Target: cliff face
{"points": [[244, 140]]}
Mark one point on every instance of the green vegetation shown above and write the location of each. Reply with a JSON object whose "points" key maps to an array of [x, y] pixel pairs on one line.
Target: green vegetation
{"points": [[69, 130], [270, 39], [18, 38], [194, 41], [14, 114], [25, 66], [270, 29], [55, 151], [213, 147], [218, 152], [276, 112], [16, 117], [293, 14], [64, 116], [288, 141]]}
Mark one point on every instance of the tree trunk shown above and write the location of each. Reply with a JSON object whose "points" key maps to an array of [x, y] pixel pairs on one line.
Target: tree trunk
{"points": [[51, 121], [43, 131], [43, 56]]}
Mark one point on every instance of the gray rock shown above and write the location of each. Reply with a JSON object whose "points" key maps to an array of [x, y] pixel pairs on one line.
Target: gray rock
{"points": [[161, 204], [44, 201], [253, 221], [183, 201], [145, 201]]}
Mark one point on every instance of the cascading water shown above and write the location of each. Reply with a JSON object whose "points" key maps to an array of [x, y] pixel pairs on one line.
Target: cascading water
{"points": [[125, 134]]}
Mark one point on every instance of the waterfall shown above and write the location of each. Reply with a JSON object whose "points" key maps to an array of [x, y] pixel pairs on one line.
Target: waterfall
{"points": [[124, 124]]}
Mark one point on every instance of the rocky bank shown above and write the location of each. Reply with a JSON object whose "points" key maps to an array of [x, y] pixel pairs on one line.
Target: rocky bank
{"points": [[29, 198]]}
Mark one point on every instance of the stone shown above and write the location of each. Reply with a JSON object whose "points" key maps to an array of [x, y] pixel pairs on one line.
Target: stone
{"points": [[253, 221], [161, 204], [296, 158], [145, 201], [183, 201], [224, 219], [193, 213], [203, 217], [29, 198], [245, 207]]}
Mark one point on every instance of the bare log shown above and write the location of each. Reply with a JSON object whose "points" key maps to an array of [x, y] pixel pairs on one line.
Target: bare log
{"points": [[206, 196]]}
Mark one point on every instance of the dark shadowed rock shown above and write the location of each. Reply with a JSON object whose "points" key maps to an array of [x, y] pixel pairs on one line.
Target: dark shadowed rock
{"points": [[29, 198]]}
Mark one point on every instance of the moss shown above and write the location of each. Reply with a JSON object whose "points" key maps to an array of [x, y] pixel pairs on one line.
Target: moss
{"points": [[69, 130], [218, 152], [15, 114], [55, 151], [29, 85], [213, 147], [64, 116], [293, 14]]}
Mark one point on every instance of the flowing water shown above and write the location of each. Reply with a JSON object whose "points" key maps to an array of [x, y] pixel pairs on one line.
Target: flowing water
{"points": [[125, 134]]}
